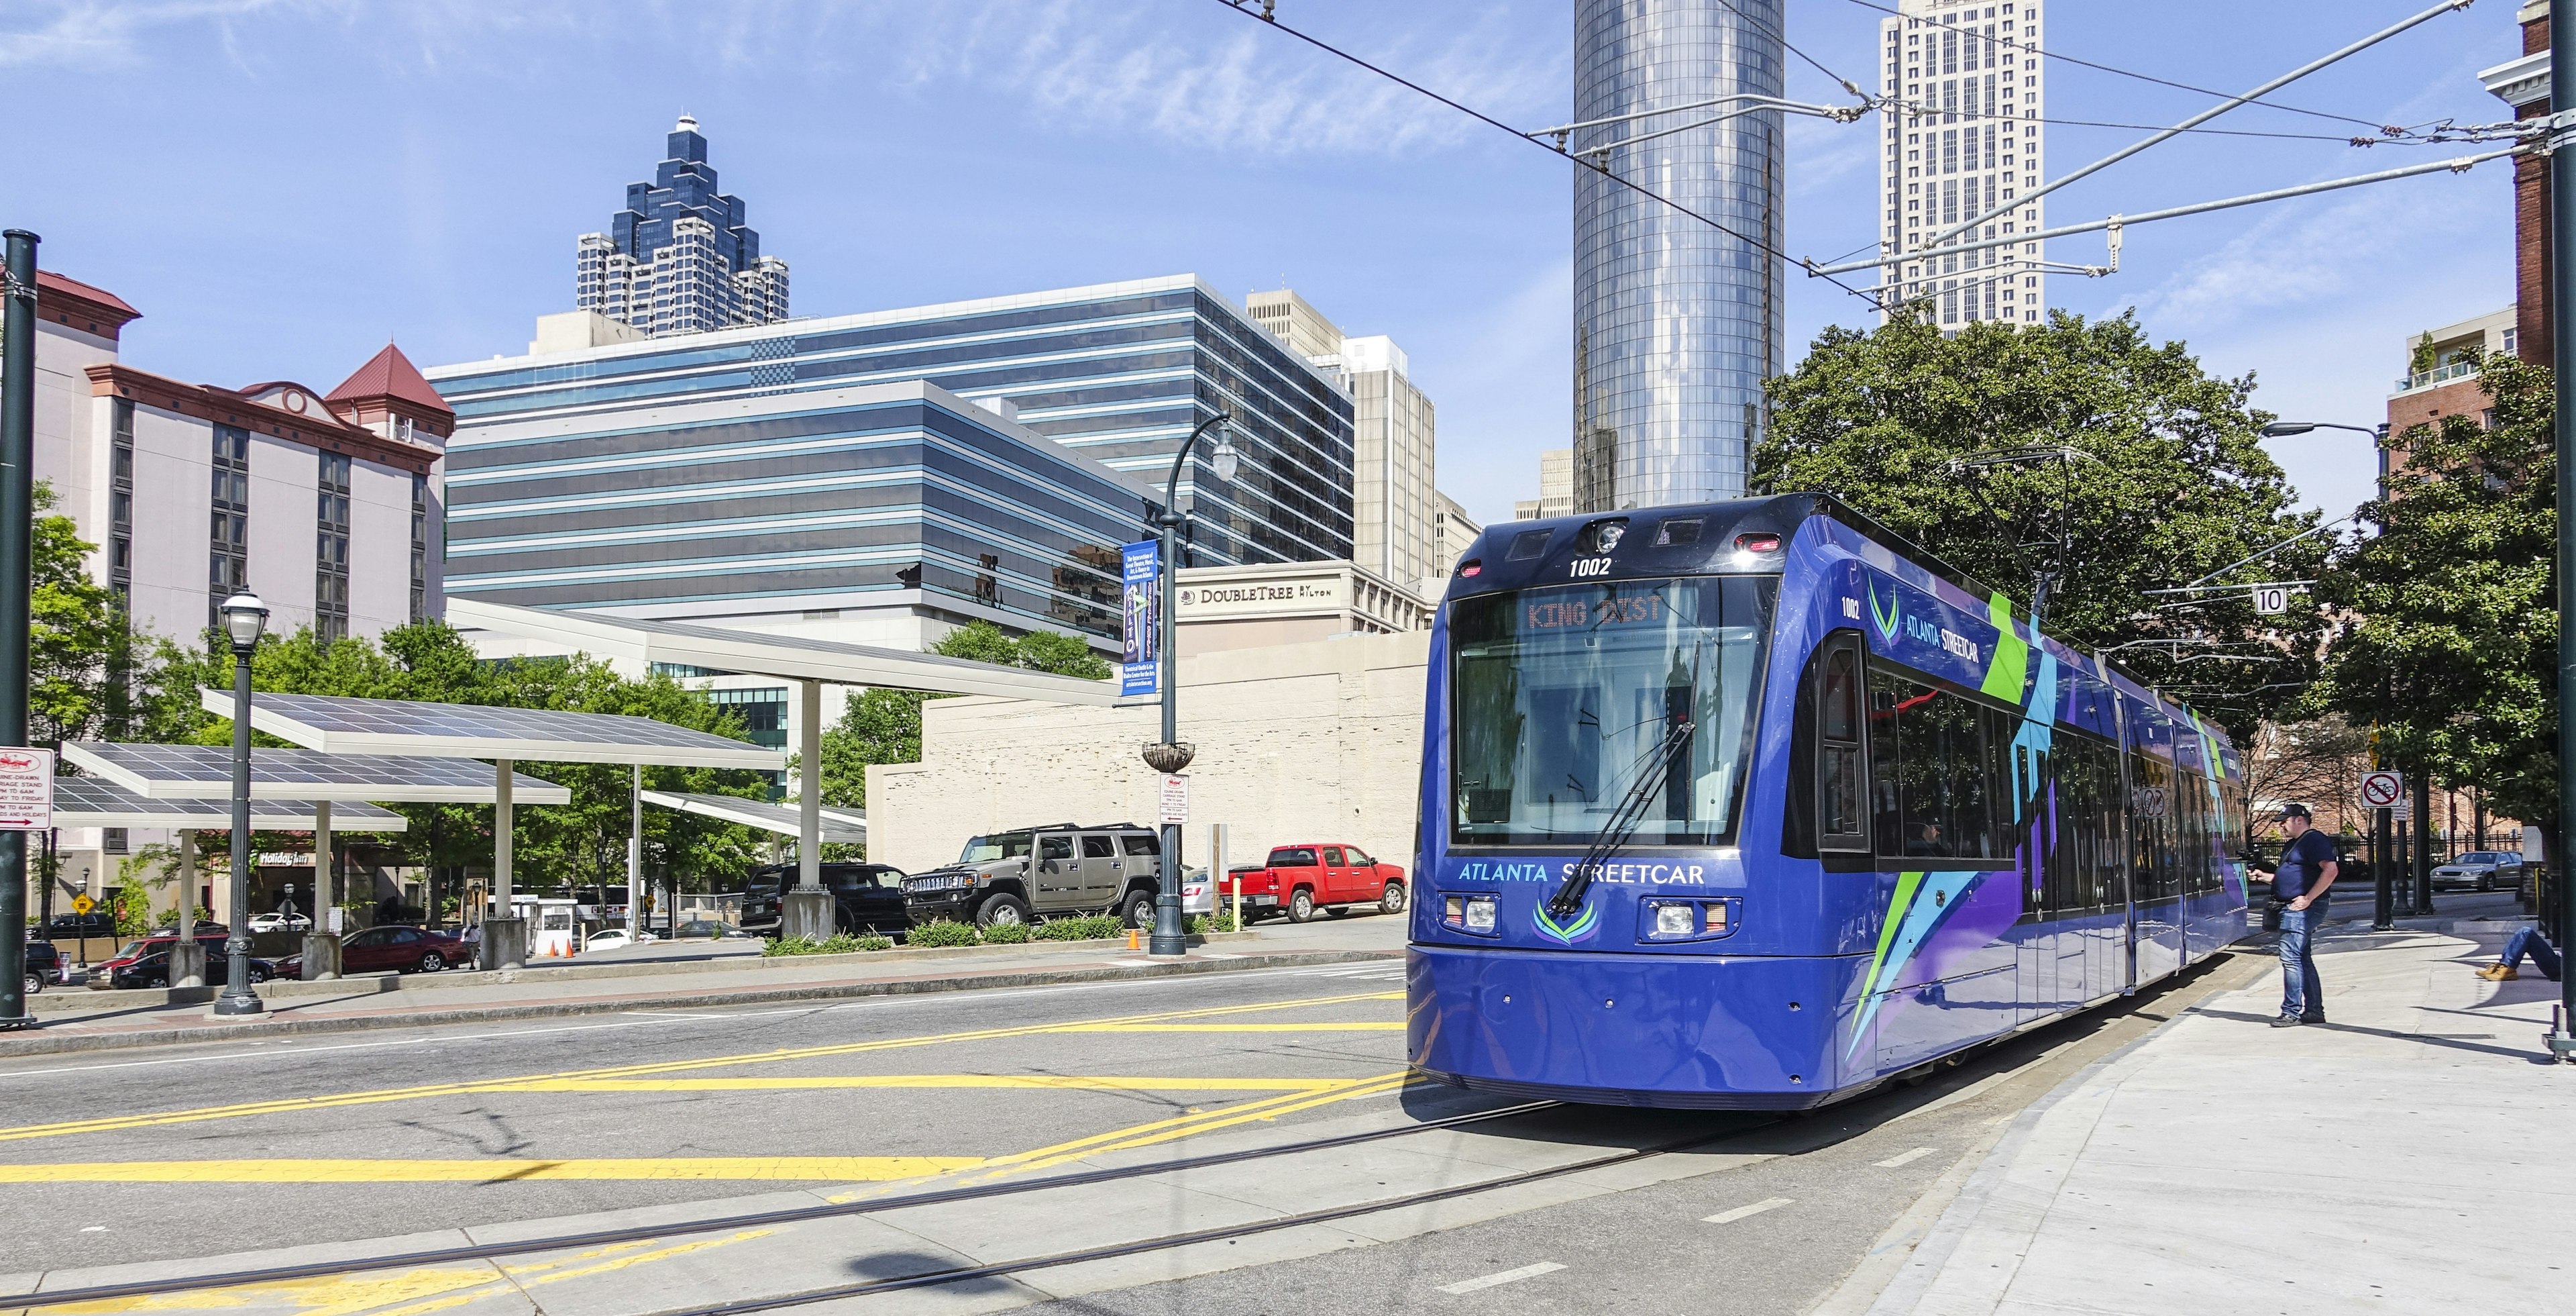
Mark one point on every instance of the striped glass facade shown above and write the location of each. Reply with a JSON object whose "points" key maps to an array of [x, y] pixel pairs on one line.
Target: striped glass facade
{"points": [[867, 497], [1676, 324], [1119, 373]]}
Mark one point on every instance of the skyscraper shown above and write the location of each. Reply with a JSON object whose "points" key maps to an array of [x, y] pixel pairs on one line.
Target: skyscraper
{"points": [[1676, 324], [1961, 141], [1394, 435], [679, 259]]}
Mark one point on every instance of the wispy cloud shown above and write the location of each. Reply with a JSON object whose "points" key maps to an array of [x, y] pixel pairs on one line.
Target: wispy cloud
{"points": [[1183, 71]]}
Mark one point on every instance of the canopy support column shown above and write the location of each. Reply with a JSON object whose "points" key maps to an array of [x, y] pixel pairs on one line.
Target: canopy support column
{"points": [[807, 910], [321, 946], [635, 862], [505, 935]]}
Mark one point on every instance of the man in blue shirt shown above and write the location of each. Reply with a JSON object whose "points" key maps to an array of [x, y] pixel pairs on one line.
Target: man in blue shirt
{"points": [[2307, 869]]}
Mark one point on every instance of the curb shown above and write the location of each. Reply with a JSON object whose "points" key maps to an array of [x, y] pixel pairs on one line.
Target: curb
{"points": [[387, 984], [41, 1043]]}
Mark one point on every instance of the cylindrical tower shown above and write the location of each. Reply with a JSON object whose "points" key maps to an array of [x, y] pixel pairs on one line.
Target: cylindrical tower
{"points": [[1676, 324]]}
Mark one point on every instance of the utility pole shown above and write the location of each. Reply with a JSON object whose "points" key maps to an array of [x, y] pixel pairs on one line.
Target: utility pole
{"points": [[17, 513], [2562, 329]]}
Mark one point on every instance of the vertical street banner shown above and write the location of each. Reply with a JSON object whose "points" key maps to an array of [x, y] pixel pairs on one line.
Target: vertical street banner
{"points": [[1140, 571]]}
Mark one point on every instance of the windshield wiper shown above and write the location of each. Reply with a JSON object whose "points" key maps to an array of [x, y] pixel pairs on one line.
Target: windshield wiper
{"points": [[1623, 823]]}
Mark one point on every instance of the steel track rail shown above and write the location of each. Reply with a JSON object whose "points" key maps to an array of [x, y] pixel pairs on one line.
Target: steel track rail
{"points": [[751, 1220], [1110, 1251]]}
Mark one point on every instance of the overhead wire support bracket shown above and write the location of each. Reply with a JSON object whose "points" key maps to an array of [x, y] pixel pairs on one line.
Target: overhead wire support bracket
{"points": [[1837, 113], [2167, 134], [2460, 165]]}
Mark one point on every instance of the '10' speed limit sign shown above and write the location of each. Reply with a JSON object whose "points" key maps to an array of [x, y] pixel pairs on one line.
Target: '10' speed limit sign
{"points": [[2383, 790]]}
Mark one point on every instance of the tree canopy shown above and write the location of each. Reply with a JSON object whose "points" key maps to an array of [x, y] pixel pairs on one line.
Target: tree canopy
{"points": [[884, 726], [74, 632], [2164, 481], [2448, 638]]}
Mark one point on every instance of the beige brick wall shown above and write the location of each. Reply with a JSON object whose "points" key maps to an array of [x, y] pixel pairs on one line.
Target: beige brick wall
{"points": [[1319, 741]]}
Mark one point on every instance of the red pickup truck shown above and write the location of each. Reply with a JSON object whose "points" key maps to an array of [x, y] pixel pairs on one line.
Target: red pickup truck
{"points": [[1303, 878]]}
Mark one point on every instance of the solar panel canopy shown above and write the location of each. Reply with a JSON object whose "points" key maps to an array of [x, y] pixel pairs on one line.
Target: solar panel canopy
{"points": [[340, 725], [795, 657], [178, 772], [90, 802], [840, 826]]}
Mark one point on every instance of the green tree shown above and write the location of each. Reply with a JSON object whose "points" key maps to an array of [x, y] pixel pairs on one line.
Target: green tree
{"points": [[884, 726], [74, 633], [2169, 482], [2450, 643]]}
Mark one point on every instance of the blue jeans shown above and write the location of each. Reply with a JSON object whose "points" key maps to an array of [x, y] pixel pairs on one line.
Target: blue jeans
{"points": [[2301, 994], [2529, 941]]}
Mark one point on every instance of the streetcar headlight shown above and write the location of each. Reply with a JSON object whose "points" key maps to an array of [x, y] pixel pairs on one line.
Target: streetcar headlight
{"points": [[1676, 920], [1480, 913]]}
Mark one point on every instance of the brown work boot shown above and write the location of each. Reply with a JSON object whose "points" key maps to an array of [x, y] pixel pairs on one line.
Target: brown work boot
{"points": [[2498, 973]]}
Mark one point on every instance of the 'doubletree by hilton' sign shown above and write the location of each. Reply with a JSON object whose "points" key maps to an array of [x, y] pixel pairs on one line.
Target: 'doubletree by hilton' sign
{"points": [[1255, 599]]}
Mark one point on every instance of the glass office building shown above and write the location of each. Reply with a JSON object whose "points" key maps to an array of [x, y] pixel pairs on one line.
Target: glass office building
{"points": [[1676, 324], [765, 470]]}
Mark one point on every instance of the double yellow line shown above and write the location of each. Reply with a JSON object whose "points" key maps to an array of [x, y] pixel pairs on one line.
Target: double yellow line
{"points": [[574, 1080]]}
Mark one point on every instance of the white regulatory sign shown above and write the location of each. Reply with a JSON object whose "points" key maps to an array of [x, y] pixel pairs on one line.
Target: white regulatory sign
{"points": [[1175, 801], [2383, 790], [2271, 599], [26, 789]]}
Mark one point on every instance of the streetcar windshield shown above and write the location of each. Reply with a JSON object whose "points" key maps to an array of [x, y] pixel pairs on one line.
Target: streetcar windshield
{"points": [[1564, 696]]}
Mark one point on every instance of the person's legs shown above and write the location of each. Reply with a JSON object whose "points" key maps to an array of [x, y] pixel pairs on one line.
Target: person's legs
{"points": [[2517, 946], [2310, 986], [2543, 954], [2296, 971]]}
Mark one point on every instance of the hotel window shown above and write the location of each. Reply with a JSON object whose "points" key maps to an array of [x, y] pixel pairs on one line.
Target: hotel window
{"points": [[120, 500], [331, 550], [228, 538], [420, 548]]}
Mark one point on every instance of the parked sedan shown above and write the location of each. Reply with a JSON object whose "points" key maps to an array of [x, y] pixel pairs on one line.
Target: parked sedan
{"points": [[615, 939], [98, 923], [276, 922], [398, 947], [152, 968], [2480, 870], [707, 927]]}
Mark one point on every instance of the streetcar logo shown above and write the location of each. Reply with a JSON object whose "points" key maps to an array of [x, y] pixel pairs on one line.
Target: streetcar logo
{"points": [[1584, 927], [1888, 618]]}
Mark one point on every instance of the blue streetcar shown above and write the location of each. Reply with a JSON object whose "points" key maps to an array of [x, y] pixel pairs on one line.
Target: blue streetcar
{"points": [[1753, 805]]}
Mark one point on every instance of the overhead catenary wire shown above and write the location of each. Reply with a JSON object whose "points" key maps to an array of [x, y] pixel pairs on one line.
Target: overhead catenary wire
{"points": [[2149, 77], [1267, 15], [2166, 134]]}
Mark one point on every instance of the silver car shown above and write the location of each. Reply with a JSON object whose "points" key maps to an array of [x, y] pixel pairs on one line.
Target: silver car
{"points": [[2480, 870]]}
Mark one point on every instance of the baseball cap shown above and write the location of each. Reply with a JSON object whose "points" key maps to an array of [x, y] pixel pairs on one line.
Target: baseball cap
{"points": [[2289, 811]]}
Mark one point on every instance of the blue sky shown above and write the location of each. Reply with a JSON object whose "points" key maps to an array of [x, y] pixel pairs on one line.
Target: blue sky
{"points": [[281, 185]]}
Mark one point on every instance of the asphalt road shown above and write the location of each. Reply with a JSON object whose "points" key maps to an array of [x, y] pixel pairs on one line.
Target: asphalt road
{"points": [[200, 1151], [894, 1078]]}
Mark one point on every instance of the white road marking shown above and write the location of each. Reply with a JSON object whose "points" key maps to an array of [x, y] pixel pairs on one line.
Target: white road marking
{"points": [[1501, 1277], [1742, 1212], [1904, 1158]]}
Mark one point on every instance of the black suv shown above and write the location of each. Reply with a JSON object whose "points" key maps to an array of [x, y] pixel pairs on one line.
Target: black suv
{"points": [[44, 965], [865, 898], [1044, 871]]}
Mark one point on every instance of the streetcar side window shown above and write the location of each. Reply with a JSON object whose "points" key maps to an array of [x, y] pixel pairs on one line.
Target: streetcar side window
{"points": [[2083, 868], [1945, 771], [1840, 785]]}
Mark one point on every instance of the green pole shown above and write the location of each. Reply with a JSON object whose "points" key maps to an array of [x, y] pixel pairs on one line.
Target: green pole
{"points": [[17, 511], [2562, 330]]}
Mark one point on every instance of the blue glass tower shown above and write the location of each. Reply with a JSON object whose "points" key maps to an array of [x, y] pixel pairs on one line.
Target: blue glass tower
{"points": [[1676, 324], [684, 184]]}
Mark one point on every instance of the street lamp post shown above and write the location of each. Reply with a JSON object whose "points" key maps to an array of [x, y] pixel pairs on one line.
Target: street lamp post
{"points": [[1170, 755], [244, 618]]}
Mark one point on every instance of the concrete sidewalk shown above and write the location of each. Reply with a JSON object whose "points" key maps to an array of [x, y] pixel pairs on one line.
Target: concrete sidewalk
{"points": [[2408, 1156], [78, 1020]]}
